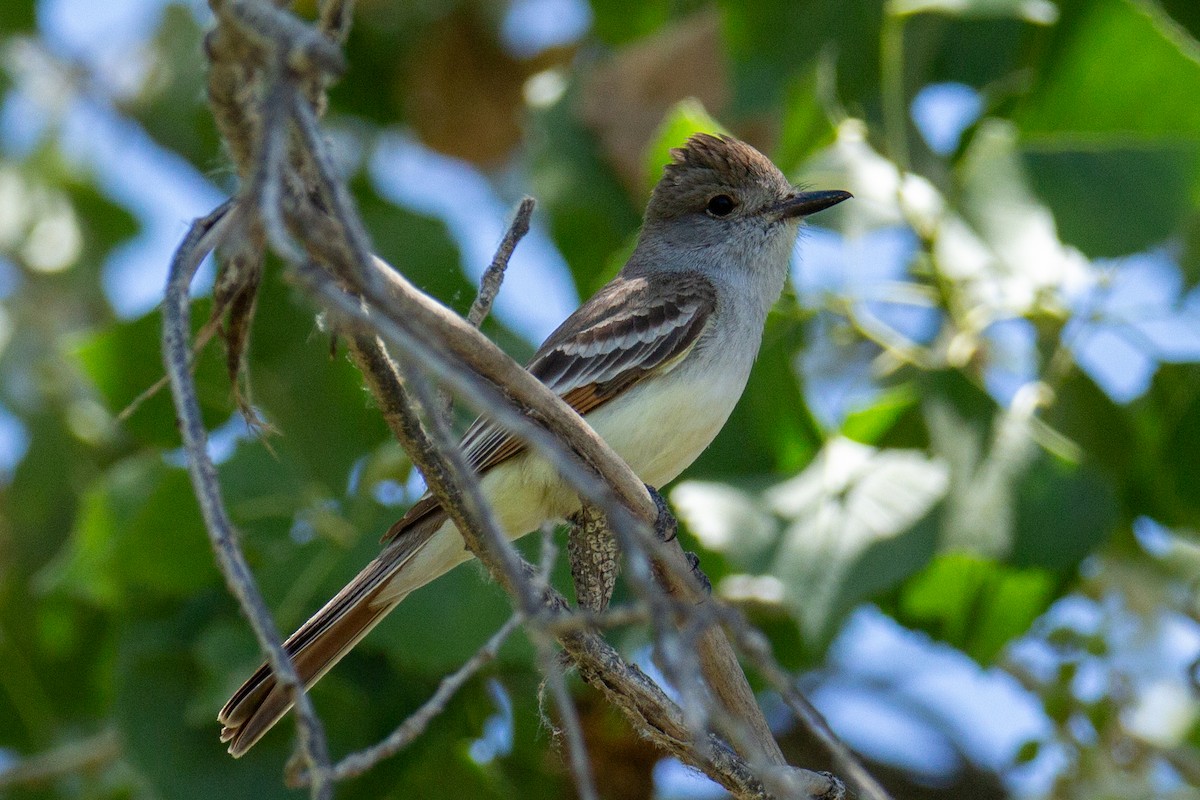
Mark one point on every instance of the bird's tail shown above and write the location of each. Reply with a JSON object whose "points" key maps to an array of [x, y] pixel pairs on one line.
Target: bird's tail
{"points": [[325, 638]]}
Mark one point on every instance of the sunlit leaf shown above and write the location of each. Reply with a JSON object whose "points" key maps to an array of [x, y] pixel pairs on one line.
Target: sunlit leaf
{"points": [[1041, 12], [1017, 257], [869, 424], [1092, 85], [851, 504], [975, 604], [727, 520]]}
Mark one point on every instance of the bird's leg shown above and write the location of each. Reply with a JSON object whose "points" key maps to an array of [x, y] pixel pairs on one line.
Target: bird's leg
{"points": [[666, 527], [592, 551]]}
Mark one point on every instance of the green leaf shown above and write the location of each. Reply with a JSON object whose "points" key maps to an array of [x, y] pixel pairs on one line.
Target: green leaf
{"points": [[616, 22], [1027, 752], [770, 42], [806, 126], [1087, 416], [1174, 474], [139, 531], [1112, 199], [313, 397], [1189, 258], [125, 359], [980, 51], [868, 425], [1116, 66], [1063, 512], [173, 745], [975, 604], [1186, 13]]}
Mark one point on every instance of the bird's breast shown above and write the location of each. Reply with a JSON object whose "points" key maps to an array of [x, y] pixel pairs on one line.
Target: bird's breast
{"points": [[662, 425]]}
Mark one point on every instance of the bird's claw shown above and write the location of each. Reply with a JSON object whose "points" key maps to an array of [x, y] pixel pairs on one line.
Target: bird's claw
{"points": [[665, 525], [693, 561]]}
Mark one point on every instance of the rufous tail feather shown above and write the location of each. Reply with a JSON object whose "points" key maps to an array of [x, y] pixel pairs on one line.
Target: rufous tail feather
{"points": [[323, 640]]}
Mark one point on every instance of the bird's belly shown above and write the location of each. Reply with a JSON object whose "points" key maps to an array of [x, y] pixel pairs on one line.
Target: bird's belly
{"points": [[658, 428], [661, 427]]}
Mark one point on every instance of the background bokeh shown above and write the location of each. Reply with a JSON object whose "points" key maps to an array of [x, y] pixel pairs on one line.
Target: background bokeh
{"points": [[961, 494]]}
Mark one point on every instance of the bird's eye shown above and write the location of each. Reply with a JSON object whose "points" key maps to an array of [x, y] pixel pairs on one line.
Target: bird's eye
{"points": [[721, 206]]}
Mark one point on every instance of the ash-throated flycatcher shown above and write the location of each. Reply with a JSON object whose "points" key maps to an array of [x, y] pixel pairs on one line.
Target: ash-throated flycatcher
{"points": [[654, 362]]}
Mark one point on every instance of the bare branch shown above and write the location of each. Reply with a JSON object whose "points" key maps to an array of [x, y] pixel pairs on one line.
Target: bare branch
{"points": [[655, 715], [756, 648], [203, 236]]}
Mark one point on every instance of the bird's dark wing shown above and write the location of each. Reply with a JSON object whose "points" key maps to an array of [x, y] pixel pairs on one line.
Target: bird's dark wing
{"points": [[630, 329]]}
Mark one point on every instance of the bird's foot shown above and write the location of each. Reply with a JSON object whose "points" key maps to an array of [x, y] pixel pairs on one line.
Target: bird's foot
{"points": [[665, 525]]}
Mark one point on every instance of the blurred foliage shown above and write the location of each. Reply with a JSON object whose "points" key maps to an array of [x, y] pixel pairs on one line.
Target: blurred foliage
{"points": [[993, 436]]}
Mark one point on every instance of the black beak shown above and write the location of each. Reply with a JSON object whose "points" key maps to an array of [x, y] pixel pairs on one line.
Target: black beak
{"points": [[803, 204]]}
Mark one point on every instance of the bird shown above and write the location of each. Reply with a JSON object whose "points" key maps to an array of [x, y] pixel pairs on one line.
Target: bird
{"points": [[654, 362]]}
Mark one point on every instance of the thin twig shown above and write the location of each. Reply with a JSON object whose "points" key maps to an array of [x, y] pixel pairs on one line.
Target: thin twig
{"points": [[584, 619], [493, 277], [577, 753], [201, 239], [407, 732], [70, 758]]}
